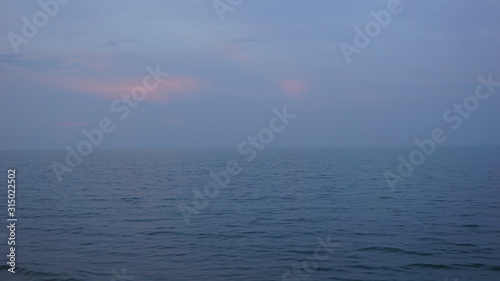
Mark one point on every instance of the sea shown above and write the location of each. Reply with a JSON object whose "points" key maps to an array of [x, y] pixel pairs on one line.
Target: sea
{"points": [[286, 214]]}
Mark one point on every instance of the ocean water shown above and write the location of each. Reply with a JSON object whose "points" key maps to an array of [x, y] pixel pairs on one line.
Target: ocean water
{"points": [[290, 214]]}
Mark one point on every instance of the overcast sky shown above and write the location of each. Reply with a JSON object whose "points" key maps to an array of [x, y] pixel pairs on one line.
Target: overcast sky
{"points": [[226, 76]]}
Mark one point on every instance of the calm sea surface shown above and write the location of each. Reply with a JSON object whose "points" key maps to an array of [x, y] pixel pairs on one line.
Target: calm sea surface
{"points": [[116, 216]]}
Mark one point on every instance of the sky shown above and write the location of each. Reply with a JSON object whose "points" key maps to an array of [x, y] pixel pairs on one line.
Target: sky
{"points": [[231, 62]]}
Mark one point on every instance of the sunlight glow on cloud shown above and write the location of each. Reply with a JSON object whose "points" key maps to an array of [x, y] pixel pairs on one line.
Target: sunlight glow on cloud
{"points": [[175, 86], [293, 87], [170, 87], [236, 52]]}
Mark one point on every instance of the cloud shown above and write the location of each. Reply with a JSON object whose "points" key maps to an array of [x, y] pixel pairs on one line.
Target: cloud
{"points": [[175, 86], [168, 88], [102, 74], [110, 43], [293, 87], [248, 40], [43, 63], [236, 52]]}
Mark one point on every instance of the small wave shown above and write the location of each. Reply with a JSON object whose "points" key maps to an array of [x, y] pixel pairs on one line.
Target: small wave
{"points": [[23, 273], [428, 265], [470, 225], [474, 265], [394, 250]]}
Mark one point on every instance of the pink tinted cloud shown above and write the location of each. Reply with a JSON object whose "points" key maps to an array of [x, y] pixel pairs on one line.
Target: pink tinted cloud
{"points": [[163, 92], [73, 124], [293, 87], [236, 52], [175, 86]]}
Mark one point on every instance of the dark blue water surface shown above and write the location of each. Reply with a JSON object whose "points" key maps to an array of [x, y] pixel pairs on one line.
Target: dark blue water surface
{"points": [[117, 216]]}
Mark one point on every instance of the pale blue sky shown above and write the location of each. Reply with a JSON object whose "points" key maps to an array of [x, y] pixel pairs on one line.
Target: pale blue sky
{"points": [[227, 76]]}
